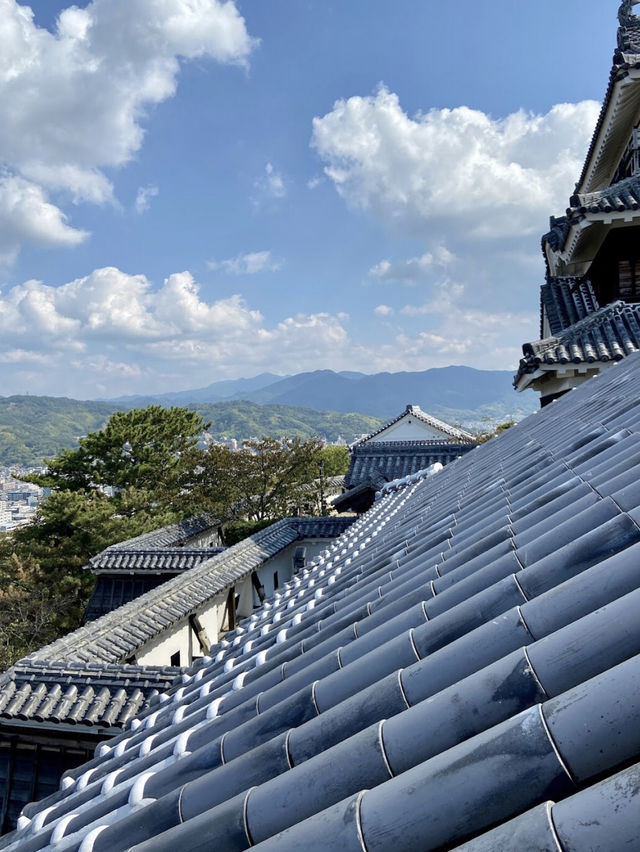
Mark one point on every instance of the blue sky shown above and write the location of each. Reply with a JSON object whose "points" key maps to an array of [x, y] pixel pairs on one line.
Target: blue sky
{"points": [[193, 190]]}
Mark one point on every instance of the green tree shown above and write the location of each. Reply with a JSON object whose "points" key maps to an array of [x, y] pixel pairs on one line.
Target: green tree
{"points": [[336, 460], [273, 477], [127, 479], [144, 449]]}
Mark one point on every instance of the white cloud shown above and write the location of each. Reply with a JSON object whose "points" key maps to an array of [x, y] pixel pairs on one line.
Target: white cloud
{"points": [[247, 264], [110, 333], [26, 215], [458, 169], [271, 184], [143, 198], [74, 99], [118, 332], [413, 270]]}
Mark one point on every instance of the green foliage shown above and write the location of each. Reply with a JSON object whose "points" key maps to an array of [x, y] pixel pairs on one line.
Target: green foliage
{"points": [[483, 437], [336, 460], [264, 479], [244, 419], [142, 449], [236, 531], [144, 458]]}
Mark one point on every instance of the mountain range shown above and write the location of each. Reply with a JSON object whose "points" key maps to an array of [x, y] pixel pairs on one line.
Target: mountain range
{"points": [[458, 390], [322, 403]]}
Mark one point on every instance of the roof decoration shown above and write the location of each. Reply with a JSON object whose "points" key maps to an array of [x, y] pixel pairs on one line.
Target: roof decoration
{"points": [[465, 652], [629, 32]]}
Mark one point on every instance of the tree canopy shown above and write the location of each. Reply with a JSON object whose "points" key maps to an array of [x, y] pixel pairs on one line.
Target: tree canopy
{"points": [[143, 470]]}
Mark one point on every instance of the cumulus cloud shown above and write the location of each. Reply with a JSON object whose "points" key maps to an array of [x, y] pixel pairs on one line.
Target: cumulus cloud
{"points": [[118, 332], [26, 215], [247, 264], [143, 198], [456, 168], [74, 99], [110, 333]]}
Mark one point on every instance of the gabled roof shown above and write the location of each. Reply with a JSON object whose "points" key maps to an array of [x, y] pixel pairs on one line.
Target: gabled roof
{"points": [[607, 134], [607, 335], [466, 651], [415, 411]]}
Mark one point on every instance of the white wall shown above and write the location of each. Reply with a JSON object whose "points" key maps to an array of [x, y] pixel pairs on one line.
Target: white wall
{"points": [[409, 429], [212, 615]]}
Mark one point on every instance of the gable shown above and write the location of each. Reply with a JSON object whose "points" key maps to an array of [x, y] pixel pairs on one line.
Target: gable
{"points": [[409, 428]]}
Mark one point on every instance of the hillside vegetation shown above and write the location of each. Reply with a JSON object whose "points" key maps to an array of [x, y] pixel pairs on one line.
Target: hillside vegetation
{"points": [[35, 427]]}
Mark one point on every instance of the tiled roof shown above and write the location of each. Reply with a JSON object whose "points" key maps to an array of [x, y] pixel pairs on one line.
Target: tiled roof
{"points": [[80, 694], [173, 535], [170, 560], [621, 196], [466, 651], [117, 635], [385, 461], [609, 334], [415, 410], [565, 301]]}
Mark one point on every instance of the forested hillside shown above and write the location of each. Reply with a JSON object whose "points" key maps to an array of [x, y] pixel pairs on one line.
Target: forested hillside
{"points": [[37, 427]]}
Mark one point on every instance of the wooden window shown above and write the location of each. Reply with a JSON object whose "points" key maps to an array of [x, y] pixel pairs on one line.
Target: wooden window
{"points": [[175, 659], [275, 580], [629, 280]]}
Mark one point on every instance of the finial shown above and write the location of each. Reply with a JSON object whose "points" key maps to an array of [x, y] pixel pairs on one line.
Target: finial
{"points": [[628, 34], [626, 16]]}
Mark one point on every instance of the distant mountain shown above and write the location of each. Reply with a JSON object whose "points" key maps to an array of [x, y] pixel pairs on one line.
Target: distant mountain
{"points": [[386, 394], [227, 389], [320, 403], [461, 390]]}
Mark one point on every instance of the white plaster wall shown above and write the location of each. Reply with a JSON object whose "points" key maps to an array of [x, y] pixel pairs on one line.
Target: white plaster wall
{"points": [[159, 651], [283, 564], [209, 538], [409, 429], [212, 614]]}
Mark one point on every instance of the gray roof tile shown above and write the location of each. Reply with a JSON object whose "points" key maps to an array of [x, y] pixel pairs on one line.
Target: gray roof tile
{"points": [[608, 334], [464, 652]]}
